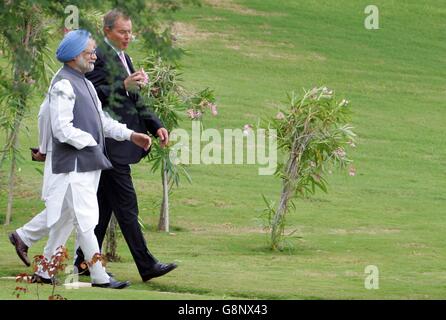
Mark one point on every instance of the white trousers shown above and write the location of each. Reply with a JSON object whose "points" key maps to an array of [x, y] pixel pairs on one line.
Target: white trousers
{"points": [[59, 234], [35, 229]]}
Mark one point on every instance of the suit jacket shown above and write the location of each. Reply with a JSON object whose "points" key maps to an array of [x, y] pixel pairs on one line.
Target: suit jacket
{"points": [[108, 78]]}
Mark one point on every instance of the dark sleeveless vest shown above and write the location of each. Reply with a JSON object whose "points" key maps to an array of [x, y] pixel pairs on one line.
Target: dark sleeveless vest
{"points": [[86, 118]]}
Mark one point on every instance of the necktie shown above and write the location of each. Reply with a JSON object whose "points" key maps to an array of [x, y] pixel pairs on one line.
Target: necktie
{"points": [[124, 62]]}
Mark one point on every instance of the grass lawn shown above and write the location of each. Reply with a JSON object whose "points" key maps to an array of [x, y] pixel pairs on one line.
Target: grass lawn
{"points": [[391, 214]]}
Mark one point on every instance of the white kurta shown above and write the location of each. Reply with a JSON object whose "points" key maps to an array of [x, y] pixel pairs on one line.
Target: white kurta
{"points": [[83, 184], [45, 142]]}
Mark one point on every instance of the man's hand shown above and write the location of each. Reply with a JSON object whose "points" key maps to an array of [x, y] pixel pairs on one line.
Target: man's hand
{"points": [[142, 140], [135, 81], [37, 156], [164, 136]]}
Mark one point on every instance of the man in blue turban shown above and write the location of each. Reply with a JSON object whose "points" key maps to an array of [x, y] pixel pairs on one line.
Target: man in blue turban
{"points": [[78, 131], [72, 45]]}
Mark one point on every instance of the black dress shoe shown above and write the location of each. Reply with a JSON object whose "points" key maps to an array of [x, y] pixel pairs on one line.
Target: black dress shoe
{"points": [[38, 279], [20, 247], [81, 271], [158, 270], [113, 284]]}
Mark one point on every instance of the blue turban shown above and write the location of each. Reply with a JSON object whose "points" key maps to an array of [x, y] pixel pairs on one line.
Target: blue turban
{"points": [[72, 45]]}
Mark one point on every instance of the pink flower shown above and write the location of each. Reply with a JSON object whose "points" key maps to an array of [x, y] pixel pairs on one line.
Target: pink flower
{"points": [[352, 171], [247, 128], [145, 77], [213, 108], [198, 114], [194, 114], [351, 143], [190, 113], [340, 152]]}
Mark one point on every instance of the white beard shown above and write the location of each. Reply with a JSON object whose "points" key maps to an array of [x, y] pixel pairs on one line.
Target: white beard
{"points": [[84, 65]]}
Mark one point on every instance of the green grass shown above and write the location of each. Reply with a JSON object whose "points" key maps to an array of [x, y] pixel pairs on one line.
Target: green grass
{"points": [[389, 215]]}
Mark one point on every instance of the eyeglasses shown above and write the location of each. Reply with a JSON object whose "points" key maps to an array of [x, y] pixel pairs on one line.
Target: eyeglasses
{"points": [[90, 53]]}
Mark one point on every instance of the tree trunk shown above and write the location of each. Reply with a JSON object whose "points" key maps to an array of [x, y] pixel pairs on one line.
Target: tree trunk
{"points": [[288, 189], [2, 159], [25, 50], [14, 140], [163, 224], [18, 73], [4, 150], [287, 193], [112, 240]]}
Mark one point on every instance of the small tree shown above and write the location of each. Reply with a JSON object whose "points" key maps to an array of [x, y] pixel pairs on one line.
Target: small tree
{"points": [[313, 133], [171, 101], [111, 243], [53, 267], [23, 41]]}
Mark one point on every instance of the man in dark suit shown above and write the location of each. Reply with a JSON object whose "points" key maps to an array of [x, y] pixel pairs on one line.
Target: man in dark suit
{"points": [[117, 85]]}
